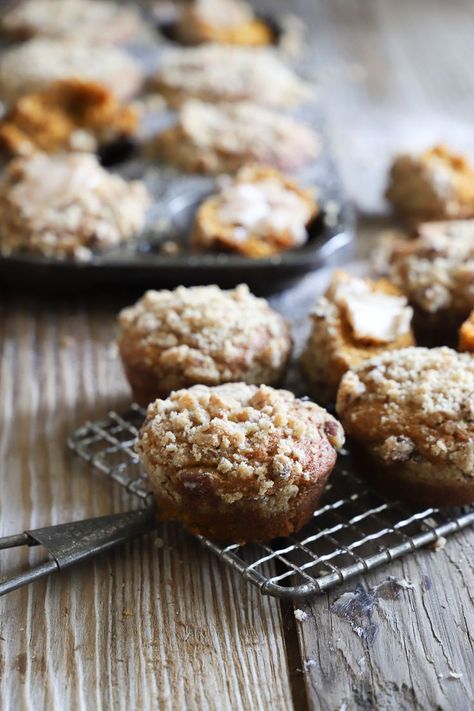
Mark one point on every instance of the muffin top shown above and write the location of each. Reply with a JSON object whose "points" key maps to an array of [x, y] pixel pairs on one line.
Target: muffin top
{"points": [[239, 441], [40, 61], [67, 205], [243, 128], [436, 270], [204, 332], [226, 73], [414, 402]]}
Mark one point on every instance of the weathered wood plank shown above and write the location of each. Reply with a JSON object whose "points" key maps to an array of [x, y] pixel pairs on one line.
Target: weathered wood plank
{"points": [[144, 627]]}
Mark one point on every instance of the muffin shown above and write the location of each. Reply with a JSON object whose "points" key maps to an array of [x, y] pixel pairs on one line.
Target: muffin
{"points": [[412, 411], [223, 21], [218, 73], [436, 185], [356, 319], [97, 21], [222, 138], [258, 214], [202, 334], [236, 462], [67, 206], [39, 62], [436, 272], [466, 335], [71, 114]]}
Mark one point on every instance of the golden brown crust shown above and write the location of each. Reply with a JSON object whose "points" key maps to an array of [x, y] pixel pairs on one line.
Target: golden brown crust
{"points": [[222, 138], [238, 462], [333, 347], [466, 335], [174, 339], [436, 185], [413, 410], [64, 116], [228, 221]]}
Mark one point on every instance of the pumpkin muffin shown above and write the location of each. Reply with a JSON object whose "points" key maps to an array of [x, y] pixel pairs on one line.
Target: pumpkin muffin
{"points": [[412, 411], [71, 114], [466, 335], [222, 138], [238, 463], [96, 20], [436, 272], [231, 22], [67, 206], [202, 334], [355, 320], [218, 73], [258, 214], [436, 185], [39, 62]]}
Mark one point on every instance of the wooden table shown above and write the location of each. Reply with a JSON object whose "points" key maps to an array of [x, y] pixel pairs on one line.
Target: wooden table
{"points": [[169, 627]]}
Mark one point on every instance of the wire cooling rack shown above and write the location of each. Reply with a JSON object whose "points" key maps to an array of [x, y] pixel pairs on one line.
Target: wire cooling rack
{"points": [[355, 530]]}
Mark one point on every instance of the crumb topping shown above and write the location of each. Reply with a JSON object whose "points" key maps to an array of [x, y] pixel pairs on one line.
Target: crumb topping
{"points": [[36, 63], [228, 73], [222, 13], [67, 205], [436, 270], [415, 402], [205, 334], [245, 129], [251, 441], [97, 20]]}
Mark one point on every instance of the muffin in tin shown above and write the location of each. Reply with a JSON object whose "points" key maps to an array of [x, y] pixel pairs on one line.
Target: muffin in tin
{"points": [[258, 214], [67, 206], [97, 21], [68, 115], [237, 462], [412, 412], [218, 73], [230, 22], [356, 319], [202, 334], [37, 63], [436, 272], [435, 185], [208, 138]]}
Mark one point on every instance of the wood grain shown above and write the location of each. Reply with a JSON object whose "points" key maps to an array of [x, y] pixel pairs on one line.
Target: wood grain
{"points": [[144, 627]]}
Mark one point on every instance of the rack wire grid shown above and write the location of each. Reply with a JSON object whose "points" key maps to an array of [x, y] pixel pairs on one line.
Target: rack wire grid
{"points": [[355, 530]]}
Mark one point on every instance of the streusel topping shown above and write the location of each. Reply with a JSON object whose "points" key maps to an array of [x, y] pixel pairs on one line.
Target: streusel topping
{"points": [[263, 207], [208, 334], [96, 19], [413, 402], [222, 13], [245, 128], [226, 73], [67, 205], [436, 271], [38, 62], [253, 439]]}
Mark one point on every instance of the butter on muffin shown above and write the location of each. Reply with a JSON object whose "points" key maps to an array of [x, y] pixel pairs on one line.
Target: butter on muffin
{"points": [[95, 20], [202, 334], [37, 63], [210, 138], [258, 214], [67, 206], [355, 320], [436, 272], [436, 185], [231, 22], [217, 73], [412, 411], [237, 462], [69, 115], [466, 335]]}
